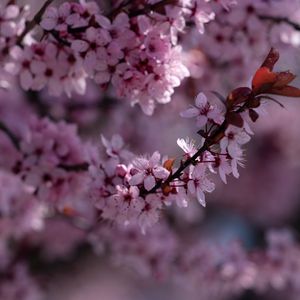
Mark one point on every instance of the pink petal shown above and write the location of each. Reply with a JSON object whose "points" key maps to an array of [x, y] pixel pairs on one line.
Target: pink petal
{"points": [[26, 80], [201, 100], [136, 179], [190, 113], [201, 197], [79, 46], [48, 23], [161, 173], [149, 182]]}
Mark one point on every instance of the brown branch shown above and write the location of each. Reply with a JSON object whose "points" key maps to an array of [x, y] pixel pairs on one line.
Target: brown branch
{"points": [[13, 138], [279, 20], [152, 7], [36, 20], [75, 168]]}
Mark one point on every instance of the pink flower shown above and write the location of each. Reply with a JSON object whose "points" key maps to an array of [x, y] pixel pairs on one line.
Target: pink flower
{"points": [[150, 212], [148, 171], [204, 112], [56, 18], [233, 139], [187, 146], [199, 183], [125, 206], [202, 17], [115, 147], [222, 163], [8, 20]]}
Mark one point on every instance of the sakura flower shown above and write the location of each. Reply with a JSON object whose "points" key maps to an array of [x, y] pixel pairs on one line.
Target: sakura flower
{"points": [[204, 112], [202, 17], [8, 16], [199, 183], [233, 139], [157, 45], [126, 205], [119, 29], [222, 163], [56, 18], [148, 171], [150, 212], [115, 147], [187, 146]]}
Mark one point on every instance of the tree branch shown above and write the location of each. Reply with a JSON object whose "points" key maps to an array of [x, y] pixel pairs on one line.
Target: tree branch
{"points": [[15, 141], [280, 20], [36, 20]]}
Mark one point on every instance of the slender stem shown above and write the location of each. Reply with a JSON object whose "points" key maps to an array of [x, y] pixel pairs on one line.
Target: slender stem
{"points": [[75, 168], [15, 141], [152, 7], [214, 138], [36, 20], [280, 20]]}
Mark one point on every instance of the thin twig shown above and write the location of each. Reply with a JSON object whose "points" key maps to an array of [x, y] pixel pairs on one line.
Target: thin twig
{"points": [[152, 7], [280, 20], [36, 20], [13, 138]]}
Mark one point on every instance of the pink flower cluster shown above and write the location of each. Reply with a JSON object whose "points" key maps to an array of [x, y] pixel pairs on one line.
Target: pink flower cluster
{"points": [[46, 151], [126, 189], [12, 23], [138, 54]]}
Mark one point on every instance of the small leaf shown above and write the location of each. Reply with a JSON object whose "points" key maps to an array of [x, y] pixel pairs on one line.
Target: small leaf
{"points": [[253, 102], [288, 91], [168, 164], [235, 119], [239, 95], [284, 78], [253, 115], [271, 59], [263, 80], [166, 190]]}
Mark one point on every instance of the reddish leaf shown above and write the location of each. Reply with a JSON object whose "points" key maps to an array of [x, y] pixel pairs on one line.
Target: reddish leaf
{"points": [[239, 95], [284, 78], [289, 91], [166, 190], [253, 115], [263, 79], [168, 164], [235, 119], [253, 102], [271, 59]]}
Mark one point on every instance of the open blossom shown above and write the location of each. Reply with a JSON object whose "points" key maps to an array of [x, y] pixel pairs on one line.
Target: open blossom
{"points": [[204, 112], [148, 171], [116, 147], [234, 138], [125, 206], [187, 146], [199, 183], [36, 66], [46, 149], [223, 164]]}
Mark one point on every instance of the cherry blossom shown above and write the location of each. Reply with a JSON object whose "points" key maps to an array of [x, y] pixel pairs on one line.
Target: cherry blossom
{"points": [[148, 171], [204, 112]]}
